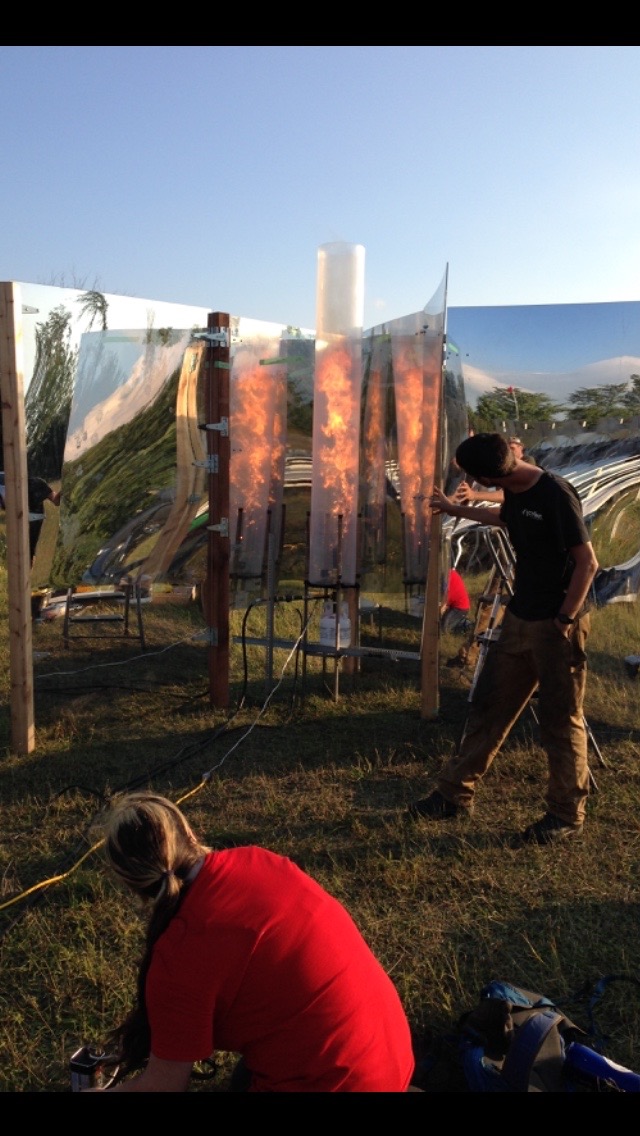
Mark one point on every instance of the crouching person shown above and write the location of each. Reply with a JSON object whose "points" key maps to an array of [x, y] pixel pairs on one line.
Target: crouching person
{"points": [[247, 954]]}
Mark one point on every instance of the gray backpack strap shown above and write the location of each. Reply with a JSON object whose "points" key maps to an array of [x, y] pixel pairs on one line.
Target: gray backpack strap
{"points": [[536, 1054]]}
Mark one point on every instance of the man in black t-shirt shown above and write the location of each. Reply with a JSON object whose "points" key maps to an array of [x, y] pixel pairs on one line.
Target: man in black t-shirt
{"points": [[38, 491], [541, 643]]}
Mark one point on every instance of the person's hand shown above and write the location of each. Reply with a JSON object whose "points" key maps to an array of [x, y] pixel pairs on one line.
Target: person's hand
{"points": [[438, 502], [464, 494], [565, 628]]}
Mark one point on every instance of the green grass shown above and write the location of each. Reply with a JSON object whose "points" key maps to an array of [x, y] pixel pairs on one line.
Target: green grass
{"points": [[446, 907]]}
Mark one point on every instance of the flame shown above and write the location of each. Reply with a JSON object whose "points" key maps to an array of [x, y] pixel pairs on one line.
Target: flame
{"points": [[416, 380], [374, 466], [408, 383], [336, 428], [254, 391], [374, 438]]}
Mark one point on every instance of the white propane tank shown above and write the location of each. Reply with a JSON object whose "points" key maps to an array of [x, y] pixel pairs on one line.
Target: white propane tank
{"points": [[344, 631], [328, 626]]}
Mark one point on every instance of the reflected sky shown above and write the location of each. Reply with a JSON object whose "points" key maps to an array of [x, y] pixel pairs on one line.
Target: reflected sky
{"points": [[39, 300], [548, 348]]}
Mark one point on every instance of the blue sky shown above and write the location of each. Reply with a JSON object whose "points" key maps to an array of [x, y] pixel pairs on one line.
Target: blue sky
{"points": [[210, 175]]}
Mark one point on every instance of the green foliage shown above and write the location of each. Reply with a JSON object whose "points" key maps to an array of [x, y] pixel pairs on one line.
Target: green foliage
{"points": [[48, 399], [586, 404], [593, 403], [512, 404], [118, 478], [95, 305], [631, 398]]}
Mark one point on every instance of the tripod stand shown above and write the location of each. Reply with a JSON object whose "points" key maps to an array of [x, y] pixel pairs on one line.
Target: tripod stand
{"points": [[489, 619]]}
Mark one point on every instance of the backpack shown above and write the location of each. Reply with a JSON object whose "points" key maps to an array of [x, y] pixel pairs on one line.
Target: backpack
{"points": [[518, 1041], [515, 1041]]}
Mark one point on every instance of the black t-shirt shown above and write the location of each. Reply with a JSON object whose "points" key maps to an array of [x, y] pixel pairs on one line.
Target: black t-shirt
{"points": [[543, 523], [38, 492]]}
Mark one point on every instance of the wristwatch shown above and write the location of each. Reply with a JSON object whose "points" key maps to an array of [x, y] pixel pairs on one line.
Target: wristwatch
{"points": [[562, 617]]}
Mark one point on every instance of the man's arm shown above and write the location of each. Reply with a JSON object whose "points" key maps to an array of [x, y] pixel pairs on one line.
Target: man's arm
{"points": [[441, 504], [585, 569], [466, 495]]}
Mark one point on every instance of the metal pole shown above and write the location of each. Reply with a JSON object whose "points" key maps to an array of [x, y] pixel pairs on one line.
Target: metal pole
{"points": [[218, 549]]}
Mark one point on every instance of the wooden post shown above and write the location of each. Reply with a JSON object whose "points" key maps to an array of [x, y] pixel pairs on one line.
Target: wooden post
{"points": [[17, 512], [430, 649], [218, 549]]}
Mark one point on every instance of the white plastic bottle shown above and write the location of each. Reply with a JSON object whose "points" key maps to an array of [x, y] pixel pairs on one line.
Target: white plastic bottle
{"points": [[328, 626], [344, 630]]}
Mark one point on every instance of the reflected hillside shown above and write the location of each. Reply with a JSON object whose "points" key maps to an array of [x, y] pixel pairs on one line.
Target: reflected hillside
{"points": [[130, 469], [119, 374]]}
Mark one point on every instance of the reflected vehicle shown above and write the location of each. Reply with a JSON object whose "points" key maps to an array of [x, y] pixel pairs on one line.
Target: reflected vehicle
{"points": [[120, 556]]}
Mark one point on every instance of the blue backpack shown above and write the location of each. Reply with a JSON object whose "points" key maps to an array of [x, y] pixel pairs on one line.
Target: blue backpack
{"points": [[516, 1041]]}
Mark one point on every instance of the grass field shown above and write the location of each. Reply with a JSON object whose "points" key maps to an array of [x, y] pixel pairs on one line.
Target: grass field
{"points": [[445, 906]]}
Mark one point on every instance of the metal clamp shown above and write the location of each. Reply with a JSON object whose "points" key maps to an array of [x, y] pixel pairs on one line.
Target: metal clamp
{"points": [[216, 335], [222, 528], [222, 426], [210, 463]]}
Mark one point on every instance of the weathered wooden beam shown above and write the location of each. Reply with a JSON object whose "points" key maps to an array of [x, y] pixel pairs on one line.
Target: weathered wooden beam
{"points": [[23, 738]]}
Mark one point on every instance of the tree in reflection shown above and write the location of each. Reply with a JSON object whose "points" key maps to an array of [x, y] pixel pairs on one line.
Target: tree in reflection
{"points": [[590, 404], [631, 397], [48, 399], [512, 404], [94, 304]]}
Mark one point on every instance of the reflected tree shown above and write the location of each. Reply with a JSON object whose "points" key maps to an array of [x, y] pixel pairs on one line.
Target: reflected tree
{"points": [[631, 397], [512, 404], [48, 399], [94, 305], [590, 404]]}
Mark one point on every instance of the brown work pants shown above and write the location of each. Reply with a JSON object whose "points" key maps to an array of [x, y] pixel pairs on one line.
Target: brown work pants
{"points": [[529, 654]]}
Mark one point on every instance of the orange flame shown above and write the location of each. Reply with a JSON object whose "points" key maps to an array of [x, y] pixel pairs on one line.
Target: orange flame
{"points": [[338, 428], [254, 459], [374, 438], [336, 432], [408, 383], [417, 378]]}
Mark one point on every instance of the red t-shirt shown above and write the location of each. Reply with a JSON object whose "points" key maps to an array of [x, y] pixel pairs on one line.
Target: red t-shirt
{"points": [[261, 961], [457, 597]]}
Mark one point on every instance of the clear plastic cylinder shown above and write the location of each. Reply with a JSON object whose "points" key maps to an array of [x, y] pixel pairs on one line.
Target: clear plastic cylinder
{"points": [[257, 425], [416, 348], [336, 415]]}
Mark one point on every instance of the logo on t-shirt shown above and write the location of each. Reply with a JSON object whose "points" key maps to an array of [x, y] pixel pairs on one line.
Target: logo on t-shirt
{"points": [[532, 513]]}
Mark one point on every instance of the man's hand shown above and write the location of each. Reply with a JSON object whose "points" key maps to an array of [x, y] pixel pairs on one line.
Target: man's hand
{"points": [[158, 1076], [565, 628], [464, 494], [439, 503]]}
